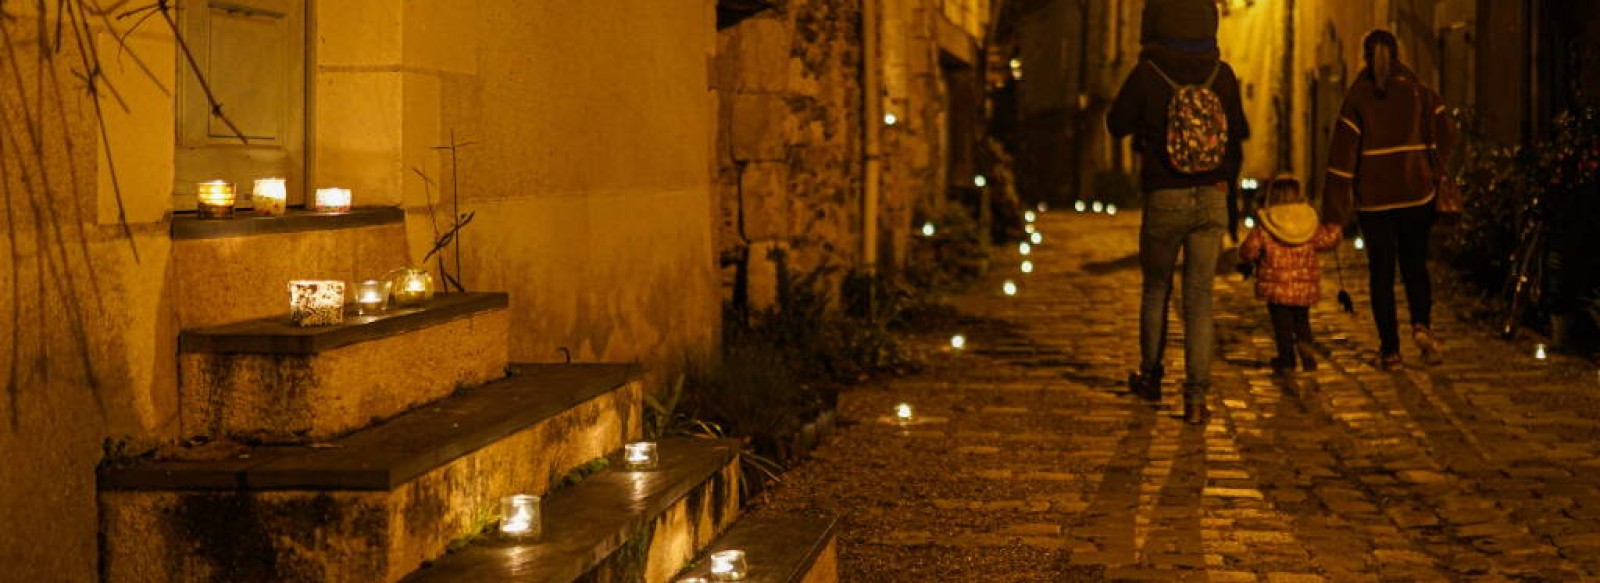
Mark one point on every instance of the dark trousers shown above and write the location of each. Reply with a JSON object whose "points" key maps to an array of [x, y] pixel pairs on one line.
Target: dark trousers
{"points": [[1290, 324], [1399, 234]]}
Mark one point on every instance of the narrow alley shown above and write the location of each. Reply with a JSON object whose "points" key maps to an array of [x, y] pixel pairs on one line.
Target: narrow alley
{"points": [[1027, 460]]}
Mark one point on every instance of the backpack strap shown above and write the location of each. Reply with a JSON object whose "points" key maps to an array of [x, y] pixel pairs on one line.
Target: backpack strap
{"points": [[1175, 85], [1163, 74]]}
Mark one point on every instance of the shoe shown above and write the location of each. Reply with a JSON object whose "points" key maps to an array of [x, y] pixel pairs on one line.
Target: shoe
{"points": [[1281, 367], [1146, 386], [1432, 348], [1389, 361], [1308, 356], [1195, 412]]}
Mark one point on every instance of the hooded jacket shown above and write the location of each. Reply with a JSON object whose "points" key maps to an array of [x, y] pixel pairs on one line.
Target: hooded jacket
{"points": [[1288, 273], [1380, 155], [1140, 110]]}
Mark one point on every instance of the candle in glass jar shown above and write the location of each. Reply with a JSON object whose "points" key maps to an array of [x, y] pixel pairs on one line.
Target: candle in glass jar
{"points": [[316, 302], [370, 297], [332, 200], [728, 565], [640, 455], [519, 516], [214, 199], [270, 197]]}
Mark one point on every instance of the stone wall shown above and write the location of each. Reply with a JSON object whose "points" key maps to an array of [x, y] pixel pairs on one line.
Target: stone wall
{"points": [[789, 140]]}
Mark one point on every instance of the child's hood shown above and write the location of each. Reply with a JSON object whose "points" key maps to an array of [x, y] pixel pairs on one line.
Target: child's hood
{"points": [[1293, 223]]}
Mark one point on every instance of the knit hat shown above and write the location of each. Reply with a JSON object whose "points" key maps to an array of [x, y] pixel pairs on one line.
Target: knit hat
{"points": [[1293, 223], [1178, 20]]}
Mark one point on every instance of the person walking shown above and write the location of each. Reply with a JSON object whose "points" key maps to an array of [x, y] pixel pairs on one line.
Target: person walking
{"points": [[1284, 251], [1391, 135], [1181, 105]]}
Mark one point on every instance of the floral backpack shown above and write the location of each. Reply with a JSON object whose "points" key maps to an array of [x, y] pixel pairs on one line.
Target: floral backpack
{"points": [[1197, 125]]}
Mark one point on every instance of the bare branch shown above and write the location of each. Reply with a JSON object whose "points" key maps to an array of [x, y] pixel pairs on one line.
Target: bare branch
{"points": [[194, 67]]}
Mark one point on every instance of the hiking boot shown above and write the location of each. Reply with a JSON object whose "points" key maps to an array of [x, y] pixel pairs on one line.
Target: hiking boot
{"points": [[1195, 412], [1432, 348], [1389, 361], [1146, 386], [1281, 367], [1308, 356]]}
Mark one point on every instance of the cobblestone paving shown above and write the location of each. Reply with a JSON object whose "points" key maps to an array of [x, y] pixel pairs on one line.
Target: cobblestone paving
{"points": [[1027, 460]]}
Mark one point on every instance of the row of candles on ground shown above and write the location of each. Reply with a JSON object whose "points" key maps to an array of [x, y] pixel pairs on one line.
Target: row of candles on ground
{"points": [[521, 514], [1096, 206], [216, 199], [321, 302]]}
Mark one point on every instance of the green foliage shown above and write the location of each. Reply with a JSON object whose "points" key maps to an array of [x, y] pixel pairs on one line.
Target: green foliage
{"points": [[1556, 178], [952, 258], [577, 475]]}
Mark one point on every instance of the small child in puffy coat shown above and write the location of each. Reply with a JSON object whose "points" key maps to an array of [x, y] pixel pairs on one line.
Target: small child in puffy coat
{"points": [[1284, 250]]}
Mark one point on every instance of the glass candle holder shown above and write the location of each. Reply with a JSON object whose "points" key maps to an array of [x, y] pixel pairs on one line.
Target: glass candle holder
{"points": [[903, 413], [371, 295], [270, 197], [215, 199], [519, 516], [332, 200], [411, 286], [958, 342], [1009, 287], [640, 455], [728, 565], [314, 302], [693, 580]]}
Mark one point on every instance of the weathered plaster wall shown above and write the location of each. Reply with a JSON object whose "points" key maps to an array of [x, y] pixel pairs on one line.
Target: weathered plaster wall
{"points": [[789, 140], [589, 131], [87, 334]]}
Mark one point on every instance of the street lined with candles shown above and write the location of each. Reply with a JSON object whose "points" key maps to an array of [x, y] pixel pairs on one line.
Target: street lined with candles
{"points": [[1045, 469]]}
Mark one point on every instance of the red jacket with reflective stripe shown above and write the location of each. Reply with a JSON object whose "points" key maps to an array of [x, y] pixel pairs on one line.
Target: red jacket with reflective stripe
{"points": [[1379, 156]]}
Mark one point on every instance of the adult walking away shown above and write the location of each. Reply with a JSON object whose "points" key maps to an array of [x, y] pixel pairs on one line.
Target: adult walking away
{"points": [[1391, 135], [1181, 105]]}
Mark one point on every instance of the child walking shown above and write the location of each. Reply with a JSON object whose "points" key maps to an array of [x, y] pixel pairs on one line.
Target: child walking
{"points": [[1284, 251]]}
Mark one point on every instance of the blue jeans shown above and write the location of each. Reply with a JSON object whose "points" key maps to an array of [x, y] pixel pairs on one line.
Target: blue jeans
{"points": [[1191, 220]]}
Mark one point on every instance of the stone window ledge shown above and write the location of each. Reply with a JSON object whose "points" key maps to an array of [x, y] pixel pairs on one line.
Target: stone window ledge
{"points": [[245, 224]]}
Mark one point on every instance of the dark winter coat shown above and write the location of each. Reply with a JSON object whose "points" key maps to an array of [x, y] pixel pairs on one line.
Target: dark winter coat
{"points": [[1140, 110], [1379, 157]]}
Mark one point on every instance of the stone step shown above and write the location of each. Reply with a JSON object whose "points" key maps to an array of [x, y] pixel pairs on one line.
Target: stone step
{"points": [[270, 381], [617, 525], [778, 549], [239, 269], [371, 506]]}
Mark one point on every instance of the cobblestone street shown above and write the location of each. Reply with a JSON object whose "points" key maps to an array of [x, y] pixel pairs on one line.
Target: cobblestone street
{"points": [[1029, 461]]}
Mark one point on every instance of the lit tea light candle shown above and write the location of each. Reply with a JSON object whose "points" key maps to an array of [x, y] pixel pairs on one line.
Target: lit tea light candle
{"points": [[270, 197], [314, 302], [1043, 207], [1037, 238], [1250, 223], [958, 341], [215, 199], [1539, 353], [1099, 206], [928, 229], [640, 455], [1030, 216], [332, 200], [1025, 248], [370, 296], [1360, 243], [1010, 288], [412, 286], [1111, 209], [1029, 228], [980, 181], [728, 565], [519, 516], [902, 412], [694, 580], [1027, 267], [890, 119], [1080, 206]]}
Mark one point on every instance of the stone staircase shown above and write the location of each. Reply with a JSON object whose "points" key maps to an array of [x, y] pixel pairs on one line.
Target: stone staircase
{"points": [[379, 449]]}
